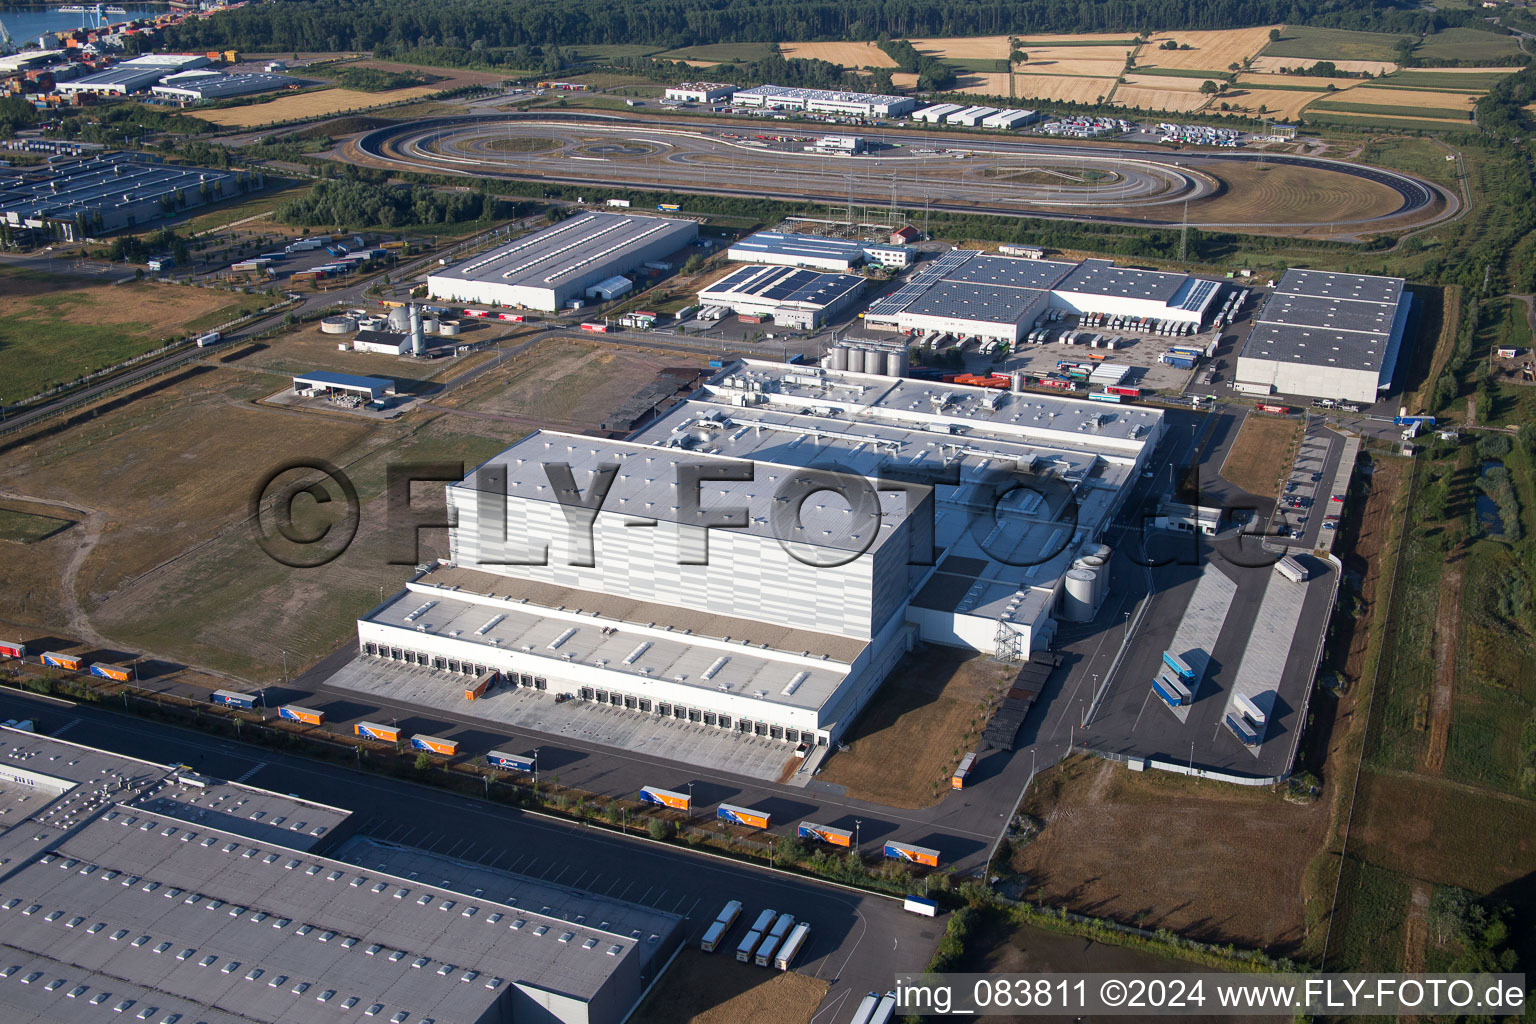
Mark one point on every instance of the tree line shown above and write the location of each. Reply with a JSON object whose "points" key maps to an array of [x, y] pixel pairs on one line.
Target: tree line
{"points": [[488, 25], [361, 204]]}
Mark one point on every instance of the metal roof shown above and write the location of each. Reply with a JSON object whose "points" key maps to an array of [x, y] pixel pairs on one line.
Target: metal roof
{"points": [[566, 252], [345, 381], [1320, 318], [774, 243], [212, 85], [66, 188], [786, 285], [1101, 277]]}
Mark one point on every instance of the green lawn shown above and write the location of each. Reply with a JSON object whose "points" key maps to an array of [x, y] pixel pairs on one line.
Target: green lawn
{"points": [[1467, 45], [579, 54], [1318, 44], [744, 52], [250, 206], [1368, 122], [25, 528], [1214, 76], [1416, 156], [1471, 81], [1381, 111]]}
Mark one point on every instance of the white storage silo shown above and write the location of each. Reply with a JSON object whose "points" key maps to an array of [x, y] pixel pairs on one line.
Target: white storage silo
{"points": [[840, 357], [448, 328], [856, 360], [430, 325], [896, 364], [338, 325], [1077, 594]]}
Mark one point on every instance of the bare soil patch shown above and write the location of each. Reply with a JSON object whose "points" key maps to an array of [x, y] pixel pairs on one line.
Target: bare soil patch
{"points": [[702, 988], [920, 720], [1257, 460]]}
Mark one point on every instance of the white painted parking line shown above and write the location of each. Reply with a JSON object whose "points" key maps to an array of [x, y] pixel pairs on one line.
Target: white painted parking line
{"points": [[248, 775]]}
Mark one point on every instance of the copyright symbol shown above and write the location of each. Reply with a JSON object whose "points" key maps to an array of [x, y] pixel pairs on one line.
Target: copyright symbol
{"points": [[301, 521], [1112, 992]]}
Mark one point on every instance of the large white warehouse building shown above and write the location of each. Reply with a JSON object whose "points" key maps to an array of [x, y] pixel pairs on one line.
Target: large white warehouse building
{"points": [[1327, 335], [824, 101], [998, 298], [549, 268], [718, 576]]}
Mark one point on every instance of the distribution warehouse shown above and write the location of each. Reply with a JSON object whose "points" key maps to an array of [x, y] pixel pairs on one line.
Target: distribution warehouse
{"points": [[823, 101], [997, 298], [173, 898], [549, 268], [782, 620], [1327, 335], [787, 296]]}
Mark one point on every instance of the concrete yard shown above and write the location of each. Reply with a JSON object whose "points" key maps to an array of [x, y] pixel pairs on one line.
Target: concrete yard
{"points": [[749, 756]]}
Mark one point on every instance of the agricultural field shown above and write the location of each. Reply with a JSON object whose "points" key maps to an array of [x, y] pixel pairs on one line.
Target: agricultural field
{"points": [[1093, 61], [1159, 92], [849, 55], [1404, 101], [719, 53], [927, 717], [965, 48], [1274, 193], [1040, 87], [54, 329], [1308, 45], [1277, 65], [1282, 103], [1467, 44], [305, 106], [1210, 50], [1462, 79]]}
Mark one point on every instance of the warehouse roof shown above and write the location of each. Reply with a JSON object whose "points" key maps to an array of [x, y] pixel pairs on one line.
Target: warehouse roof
{"points": [[374, 386], [774, 243], [1101, 277], [784, 92], [786, 285], [1319, 318], [208, 85], [564, 252], [66, 188]]}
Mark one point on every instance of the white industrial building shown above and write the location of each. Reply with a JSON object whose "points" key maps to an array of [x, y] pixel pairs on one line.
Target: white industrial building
{"points": [[1327, 335], [133, 75], [788, 296], [998, 298], [970, 117], [937, 113], [199, 85], [549, 268], [816, 252], [1010, 119], [765, 596], [885, 255], [824, 101], [699, 92]]}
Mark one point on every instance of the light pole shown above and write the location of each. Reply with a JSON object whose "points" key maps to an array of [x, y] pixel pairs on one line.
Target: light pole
{"points": [[856, 823], [1191, 757], [770, 853], [690, 801], [535, 773]]}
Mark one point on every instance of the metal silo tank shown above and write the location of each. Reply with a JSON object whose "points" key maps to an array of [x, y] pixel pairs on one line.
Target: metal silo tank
{"points": [[856, 360], [839, 357], [1077, 595], [896, 364]]}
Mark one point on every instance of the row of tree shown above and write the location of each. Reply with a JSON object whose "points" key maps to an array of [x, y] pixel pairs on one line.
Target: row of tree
{"points": [[361, 204], [483, 25]]}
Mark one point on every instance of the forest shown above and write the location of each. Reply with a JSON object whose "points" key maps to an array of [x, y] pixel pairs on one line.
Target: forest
{"points": [[484, 25], [360, 204]]}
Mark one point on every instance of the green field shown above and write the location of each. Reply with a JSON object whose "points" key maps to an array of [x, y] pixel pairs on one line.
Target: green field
{"points": [[1439, 82], [1340, 119], [1333, 44], [1467, 45], [584, 53], [745, 52], [1412, 113], [26, 528], [1215, 76], [1416, 156]]}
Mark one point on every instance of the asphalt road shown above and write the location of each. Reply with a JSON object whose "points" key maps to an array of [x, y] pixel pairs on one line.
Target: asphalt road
{"points": [[858, 941]]}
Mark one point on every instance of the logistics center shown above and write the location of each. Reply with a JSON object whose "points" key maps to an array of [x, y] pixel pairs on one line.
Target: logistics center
{"points": [[782, 618], [549, 268], [129, 891]]}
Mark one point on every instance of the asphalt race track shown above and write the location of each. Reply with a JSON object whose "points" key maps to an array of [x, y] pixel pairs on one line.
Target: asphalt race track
{"points": [[956, 173]]}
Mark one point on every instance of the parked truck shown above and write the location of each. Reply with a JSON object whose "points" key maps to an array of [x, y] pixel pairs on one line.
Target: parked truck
{"points": [[957, 781], [210, 338], [1291, 569], [785, 957], [754, 936], [771, 941]]}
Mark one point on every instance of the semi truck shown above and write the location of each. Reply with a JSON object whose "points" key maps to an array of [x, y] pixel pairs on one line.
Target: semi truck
{"points": [[912, 854], [754, 936], [742, 816], [721, 925], [116, 673], [16, 650], [210, 338], [1179, 666], [825, 834], [957, 781], [511, 762], [1291, 569], [1249, 708], [377, 731], [478, 688], [666, 798], [232, 699], [64, 661], [435, 745], [1171, 689], [305, 716]]}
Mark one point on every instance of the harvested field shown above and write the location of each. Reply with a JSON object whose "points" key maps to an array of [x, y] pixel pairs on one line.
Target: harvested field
{"points": [[919, 720], [1163, 83], [1258, 459], [1276, 102], [1124, 39], [1158, 99], [1373, 67], [905, 79], [56, 328], [324, 103], [1075, 90], [1313, 82], [450, 78], [1214, 50], [704, 989], [849, 55], [965, 47], [983, 84], [1098, 61], [1229, 860], [1430, 102]]}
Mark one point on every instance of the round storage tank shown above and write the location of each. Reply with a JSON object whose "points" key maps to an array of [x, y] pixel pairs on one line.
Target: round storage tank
{"points": [[448, 328], [1077, 595], [856, 360], [1101, 551], [839, 358], [338, 325], [896, 364], [429, 325], [1093, 562], [400, 319], [1017, 381]]}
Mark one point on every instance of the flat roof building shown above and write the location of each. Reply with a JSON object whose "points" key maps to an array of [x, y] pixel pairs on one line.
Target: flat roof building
{"points": [[549, 268], [198, 86], [173, 898], [1006, 119], [74, 199], [1327, 335], [824, 101], [349, 383], [699, 92], [817, 252], [133, 75], [766, 598], [997, 298], [789, 296]]}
